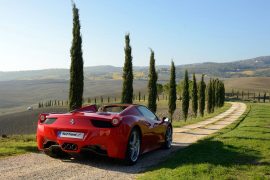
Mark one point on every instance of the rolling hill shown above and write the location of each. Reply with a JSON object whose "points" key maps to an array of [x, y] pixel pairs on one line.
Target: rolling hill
{"points": [[18, 90], [255, 67]]}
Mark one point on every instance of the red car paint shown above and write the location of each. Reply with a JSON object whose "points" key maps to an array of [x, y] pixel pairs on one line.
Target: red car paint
{"points": [[98, 131]]}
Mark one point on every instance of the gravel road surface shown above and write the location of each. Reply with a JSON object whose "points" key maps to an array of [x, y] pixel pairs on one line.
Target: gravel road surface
{"points": [[39, 166]]}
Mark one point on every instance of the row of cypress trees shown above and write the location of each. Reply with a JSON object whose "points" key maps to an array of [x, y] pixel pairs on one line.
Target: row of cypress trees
{"points": [[215, 95]]}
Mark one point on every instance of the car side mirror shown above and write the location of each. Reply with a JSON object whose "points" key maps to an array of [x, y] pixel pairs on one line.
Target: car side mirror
{"points": [[165, 119]]}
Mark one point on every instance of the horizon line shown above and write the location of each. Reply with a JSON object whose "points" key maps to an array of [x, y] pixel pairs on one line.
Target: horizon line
{"points": [[62, 68]]}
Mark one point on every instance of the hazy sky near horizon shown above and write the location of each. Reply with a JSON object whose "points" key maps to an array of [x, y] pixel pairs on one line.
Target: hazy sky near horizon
{"points": [[37, 34]]}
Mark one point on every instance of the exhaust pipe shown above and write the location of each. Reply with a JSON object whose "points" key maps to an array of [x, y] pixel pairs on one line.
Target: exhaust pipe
{"points": [[73, 147], [70, 146]]}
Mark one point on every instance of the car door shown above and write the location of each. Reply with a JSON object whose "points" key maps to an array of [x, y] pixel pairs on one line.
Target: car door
{"points": [[153, 125]]}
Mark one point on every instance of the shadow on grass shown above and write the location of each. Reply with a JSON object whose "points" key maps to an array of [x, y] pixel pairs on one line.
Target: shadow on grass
{"points": [[212, 152]]}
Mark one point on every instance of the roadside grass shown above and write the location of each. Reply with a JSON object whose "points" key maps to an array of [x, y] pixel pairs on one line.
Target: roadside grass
{"points": [[199, 118], [17, 144], [239, 151]]}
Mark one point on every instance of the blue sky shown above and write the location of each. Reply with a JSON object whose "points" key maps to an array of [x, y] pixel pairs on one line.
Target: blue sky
{"points": [[37, 34]]}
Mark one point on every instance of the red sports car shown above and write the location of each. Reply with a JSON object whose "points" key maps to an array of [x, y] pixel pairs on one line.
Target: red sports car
{"points": [[121, 131]]}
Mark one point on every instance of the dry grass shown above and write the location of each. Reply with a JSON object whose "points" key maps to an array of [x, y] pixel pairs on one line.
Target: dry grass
{"points": [[25, 93], [258, 84], [23, 122]]}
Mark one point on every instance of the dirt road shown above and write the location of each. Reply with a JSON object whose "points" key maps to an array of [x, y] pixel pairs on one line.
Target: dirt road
{"points": [[40, 166]]}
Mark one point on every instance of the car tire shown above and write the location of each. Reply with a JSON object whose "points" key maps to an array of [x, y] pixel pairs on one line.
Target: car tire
{"points": [[133, 147], [168, 138]]}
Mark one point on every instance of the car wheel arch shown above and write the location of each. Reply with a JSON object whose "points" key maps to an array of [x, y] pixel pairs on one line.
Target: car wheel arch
{"points": [[138, 128]]}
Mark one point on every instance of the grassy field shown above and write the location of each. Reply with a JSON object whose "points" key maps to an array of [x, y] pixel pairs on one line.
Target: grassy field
{"points": [[24, 93], [239, 151], [17, 144], [23, 122], [19, 94]]}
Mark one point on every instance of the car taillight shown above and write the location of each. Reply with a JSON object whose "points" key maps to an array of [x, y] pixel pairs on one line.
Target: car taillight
{"points": [[115, 121], [42, 118]]}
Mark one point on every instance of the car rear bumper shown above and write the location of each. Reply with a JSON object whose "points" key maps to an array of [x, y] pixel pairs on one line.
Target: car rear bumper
{"points": [[104, 141]]}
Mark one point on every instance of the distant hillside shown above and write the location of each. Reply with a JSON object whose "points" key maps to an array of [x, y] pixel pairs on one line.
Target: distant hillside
{"points": [[255, 67], [18, 93]]}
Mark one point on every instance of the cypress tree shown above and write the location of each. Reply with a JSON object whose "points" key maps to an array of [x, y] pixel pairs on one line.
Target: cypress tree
{"points": [[152, 84], [222, 94], [213, 95], [76, 69], [217, 93], [202, 96], [127, 91], [101, 99], [185, 96], [259, 97], [139, 98], [194, 96], [172, 92], [209, 97], [264, 97]]}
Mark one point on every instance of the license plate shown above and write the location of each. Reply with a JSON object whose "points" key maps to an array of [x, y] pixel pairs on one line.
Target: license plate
{"points": [[67, 134]]}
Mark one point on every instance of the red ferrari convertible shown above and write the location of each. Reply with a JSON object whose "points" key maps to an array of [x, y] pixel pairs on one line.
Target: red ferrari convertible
{"points": [[121, 131]]}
